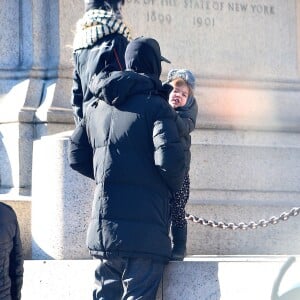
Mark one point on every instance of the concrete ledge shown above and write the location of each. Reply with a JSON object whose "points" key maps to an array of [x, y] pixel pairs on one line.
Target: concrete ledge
{"points": [[198, 277], [279, 239]]}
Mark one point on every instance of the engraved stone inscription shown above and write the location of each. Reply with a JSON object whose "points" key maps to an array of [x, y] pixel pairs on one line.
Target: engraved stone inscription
{"points": [[249, 39], [206, 8]]}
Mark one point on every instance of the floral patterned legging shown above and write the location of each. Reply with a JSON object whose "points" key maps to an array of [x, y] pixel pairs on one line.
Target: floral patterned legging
{"points": [[179, 202]]}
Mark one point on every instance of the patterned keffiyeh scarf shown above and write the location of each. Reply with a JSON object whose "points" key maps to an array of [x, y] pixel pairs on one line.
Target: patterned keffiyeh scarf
{"points": [[94, 25]]}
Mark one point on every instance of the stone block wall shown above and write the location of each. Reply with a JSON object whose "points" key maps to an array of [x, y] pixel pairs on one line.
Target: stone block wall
{"points": [[246, 149]]}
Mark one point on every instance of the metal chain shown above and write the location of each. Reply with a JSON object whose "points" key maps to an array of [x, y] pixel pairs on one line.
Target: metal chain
{"points": [[252, 225]]}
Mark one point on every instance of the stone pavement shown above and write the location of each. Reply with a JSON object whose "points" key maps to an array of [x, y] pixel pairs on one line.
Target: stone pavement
{"points": [[198, 277]]}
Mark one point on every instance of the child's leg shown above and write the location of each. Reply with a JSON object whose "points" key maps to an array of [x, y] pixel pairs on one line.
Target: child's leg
{"points": [[179, 202], [179, 224]]}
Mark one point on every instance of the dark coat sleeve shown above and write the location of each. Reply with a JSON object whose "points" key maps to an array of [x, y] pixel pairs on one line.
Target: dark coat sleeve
{"points": [[80, 152], [168, 150], [77, 97], [186, 122], [16, 268]]}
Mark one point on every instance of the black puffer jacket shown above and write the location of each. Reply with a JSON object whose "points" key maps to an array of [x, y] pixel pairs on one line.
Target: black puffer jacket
{"points": [[11, 255], [106, 55], [138, 162], [186, 123]]}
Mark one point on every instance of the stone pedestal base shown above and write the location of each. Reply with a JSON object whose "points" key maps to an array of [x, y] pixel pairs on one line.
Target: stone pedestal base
{"points": [[61, 202]]}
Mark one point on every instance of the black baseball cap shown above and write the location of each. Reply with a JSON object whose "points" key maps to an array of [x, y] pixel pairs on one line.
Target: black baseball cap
{"points": [[152, 43]]}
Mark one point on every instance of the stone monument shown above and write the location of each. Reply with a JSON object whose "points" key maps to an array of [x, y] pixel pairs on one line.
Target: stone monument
{"points": [[245, 149]]}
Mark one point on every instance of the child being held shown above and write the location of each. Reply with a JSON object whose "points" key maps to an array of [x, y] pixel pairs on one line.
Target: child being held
{"points": [[183, 101]]}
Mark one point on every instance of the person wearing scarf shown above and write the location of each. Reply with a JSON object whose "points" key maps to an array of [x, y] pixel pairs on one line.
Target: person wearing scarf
{"points": [[100, 41]]}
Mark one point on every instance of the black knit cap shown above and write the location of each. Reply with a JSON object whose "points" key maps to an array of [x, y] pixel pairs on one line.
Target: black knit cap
{"points": [[104, 4]]}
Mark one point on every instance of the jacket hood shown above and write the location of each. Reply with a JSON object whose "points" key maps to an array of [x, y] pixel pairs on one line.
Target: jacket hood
{"points": [[143, 56], [121, 85], [143, 63]]}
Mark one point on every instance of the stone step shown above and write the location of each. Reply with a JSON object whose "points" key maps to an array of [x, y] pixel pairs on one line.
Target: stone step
{"points": [[198, 277], [275, 239]]}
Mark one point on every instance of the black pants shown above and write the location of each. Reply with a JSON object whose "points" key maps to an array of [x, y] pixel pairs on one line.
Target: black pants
{"points": [[127, 279]]}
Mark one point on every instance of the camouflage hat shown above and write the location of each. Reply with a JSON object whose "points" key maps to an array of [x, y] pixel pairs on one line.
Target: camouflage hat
{"points": [[184, 74]]}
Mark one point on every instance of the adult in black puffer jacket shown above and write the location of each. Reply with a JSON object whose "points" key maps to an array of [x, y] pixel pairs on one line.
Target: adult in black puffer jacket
{"points": [[11, 255], [130, 134], [99, 45]]}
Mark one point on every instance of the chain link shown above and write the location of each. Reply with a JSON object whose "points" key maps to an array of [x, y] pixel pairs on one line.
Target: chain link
{"points": [[252, 225]]}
